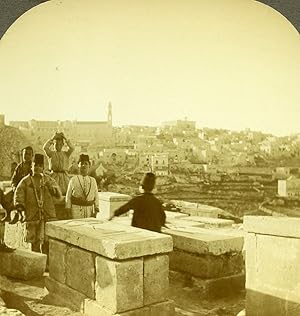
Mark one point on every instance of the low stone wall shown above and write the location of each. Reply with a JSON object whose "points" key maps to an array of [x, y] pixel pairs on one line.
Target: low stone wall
{"points": [[272, 266], [22, 264], [105, 268], [210, 257]]}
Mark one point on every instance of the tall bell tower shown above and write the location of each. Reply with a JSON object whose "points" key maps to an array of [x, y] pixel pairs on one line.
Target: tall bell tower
{"points": [[109, 114]]}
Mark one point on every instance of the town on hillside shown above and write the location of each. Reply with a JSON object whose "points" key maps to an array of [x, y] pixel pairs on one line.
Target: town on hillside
{"points": [[152, 220], [238, 171]]}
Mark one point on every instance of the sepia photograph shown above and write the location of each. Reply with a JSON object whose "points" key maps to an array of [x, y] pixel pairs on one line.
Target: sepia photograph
{"points": [[150, 157]]}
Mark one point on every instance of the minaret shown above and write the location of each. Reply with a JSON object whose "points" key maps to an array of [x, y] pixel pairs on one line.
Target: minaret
{"points": [[109, 115]]}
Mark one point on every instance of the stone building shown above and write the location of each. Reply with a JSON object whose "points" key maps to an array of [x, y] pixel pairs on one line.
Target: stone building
{"points": [[160, 164], [80, 132]]}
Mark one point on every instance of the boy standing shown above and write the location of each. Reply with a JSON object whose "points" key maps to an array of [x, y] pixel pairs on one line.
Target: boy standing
{"points": [[148, 212]]}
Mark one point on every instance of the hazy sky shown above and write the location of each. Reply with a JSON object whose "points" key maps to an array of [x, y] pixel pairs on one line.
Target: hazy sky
{"points": [[224, 63]]}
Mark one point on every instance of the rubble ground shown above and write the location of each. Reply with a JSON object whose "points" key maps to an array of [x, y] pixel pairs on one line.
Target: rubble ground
{"points": [[32, 299]]}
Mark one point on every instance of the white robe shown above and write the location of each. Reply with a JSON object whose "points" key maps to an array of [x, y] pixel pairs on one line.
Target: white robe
{"points": [[82, 187]]}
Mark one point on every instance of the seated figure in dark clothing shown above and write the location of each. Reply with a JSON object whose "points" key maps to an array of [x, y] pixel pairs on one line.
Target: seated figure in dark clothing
{"points": [[147, 209]]}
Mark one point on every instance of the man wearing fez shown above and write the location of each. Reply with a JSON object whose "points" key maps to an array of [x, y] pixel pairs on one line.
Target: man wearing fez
{"points": [[82, 199], [147, 209], [34, 201], [59, 159]]}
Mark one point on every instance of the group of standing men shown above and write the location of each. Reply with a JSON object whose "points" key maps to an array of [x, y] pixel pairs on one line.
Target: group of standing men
{"points": [[37, 196]]}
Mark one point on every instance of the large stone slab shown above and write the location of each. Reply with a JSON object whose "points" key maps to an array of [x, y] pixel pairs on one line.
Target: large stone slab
{"points": [[65, 295], [156, 279], [119, 285], [206, 266], [276, 226], [272, 265], [109, 239], [204, 241], [22, 264], [80, 271], [57, 260], [109, 202], [211, 222]]}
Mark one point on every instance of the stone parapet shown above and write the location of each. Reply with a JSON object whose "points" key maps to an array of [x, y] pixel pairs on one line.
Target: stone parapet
{"points": [[206, 266], [104, 268], [109, 202], [109, 239], [204, 241], [272, 266], [22, 264], [269, 225], [212, 256]]}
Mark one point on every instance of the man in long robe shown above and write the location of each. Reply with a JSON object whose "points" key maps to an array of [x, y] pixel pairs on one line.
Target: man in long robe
{"points": [[34, 200], [82, 199]]}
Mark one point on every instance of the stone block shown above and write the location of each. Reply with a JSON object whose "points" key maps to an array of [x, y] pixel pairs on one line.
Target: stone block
{"points": [[109, 202], [206, 266], [22, 264], [57, 260], [80, 271], [109, 239], [250, 257], [204, 241], [276, 226], [211, 222], [119, 285], [274, 270], [65, 295], [156, 278]]}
